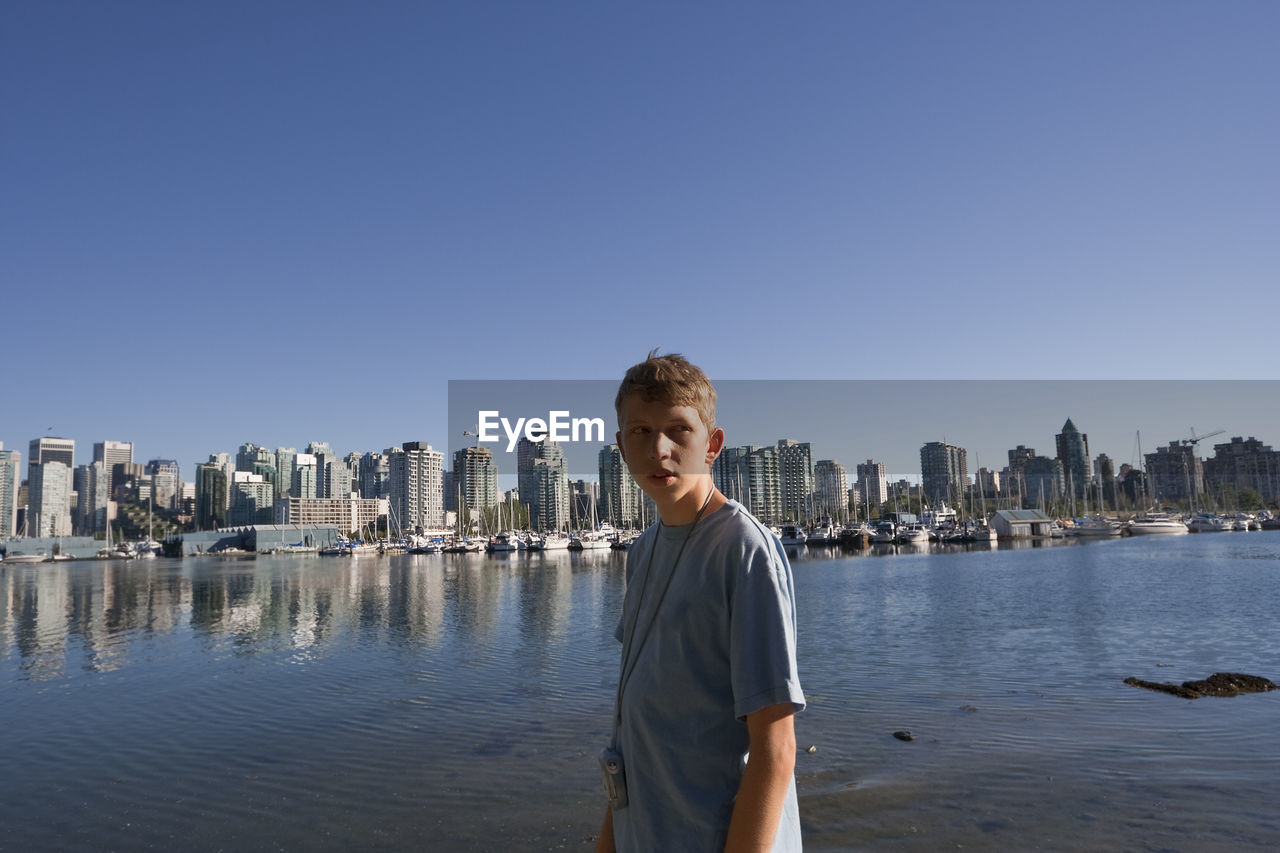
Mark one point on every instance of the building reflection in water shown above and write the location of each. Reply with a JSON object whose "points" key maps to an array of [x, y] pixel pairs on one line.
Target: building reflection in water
{"points": [[98, 616]]}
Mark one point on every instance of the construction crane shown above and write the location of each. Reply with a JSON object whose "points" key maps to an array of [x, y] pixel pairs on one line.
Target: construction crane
{"points": [[1196, 439]]}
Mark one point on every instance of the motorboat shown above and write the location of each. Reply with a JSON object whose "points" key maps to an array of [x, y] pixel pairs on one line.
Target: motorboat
{"points": [[792, 534], [502, 542], [911, 533], [884, 533], [1095, 526], [823, 533], [1155, 523], [18, 559]]}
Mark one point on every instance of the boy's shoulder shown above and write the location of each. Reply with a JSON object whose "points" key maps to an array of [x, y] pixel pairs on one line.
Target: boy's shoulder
{"points": [[736, 522]]}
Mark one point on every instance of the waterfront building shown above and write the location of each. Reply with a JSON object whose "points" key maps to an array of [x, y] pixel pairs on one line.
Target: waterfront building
{"points": [[1175, 473], [92, 486], [353, 462], [375, 476], [49, 499], [1018, 457], [831, 487], [749, 474], [987, 483], [1105, 472], [1073, 453], [475, 475], [417, 486], [255, 459], [10, 482], [166, 482], [349, 515], [211, 495], [526, 452], [944, 472], [795, 478], [1042, 481], [50, 449], [112, 454], [1242, 464], [325, 473], [284, 471], [549, 503], [873, 482], [584, 498], [303, 479], [620, 495], [252, 500]]}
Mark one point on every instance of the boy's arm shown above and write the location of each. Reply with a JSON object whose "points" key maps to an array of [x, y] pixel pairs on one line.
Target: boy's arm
{"points": [[605, 842], [763, 789]]}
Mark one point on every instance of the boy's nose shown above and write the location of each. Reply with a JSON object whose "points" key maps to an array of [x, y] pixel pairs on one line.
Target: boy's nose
{"points": [[661, 446]]}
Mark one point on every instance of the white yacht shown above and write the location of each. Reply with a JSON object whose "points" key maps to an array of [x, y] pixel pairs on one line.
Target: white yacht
{"points": [[823, 533], [1094, 526], [793, 534], [501, 542], [884, 533], [912, 533], [1156, 522]]}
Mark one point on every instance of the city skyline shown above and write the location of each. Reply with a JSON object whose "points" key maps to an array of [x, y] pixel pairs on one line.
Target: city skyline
{"points": [[849, 422]]}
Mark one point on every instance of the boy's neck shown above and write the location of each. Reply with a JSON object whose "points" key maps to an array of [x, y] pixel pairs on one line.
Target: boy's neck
{"points": [[686, 509]]}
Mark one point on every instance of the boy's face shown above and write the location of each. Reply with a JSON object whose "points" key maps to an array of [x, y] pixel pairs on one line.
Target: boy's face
{"points": [[667, 448]]}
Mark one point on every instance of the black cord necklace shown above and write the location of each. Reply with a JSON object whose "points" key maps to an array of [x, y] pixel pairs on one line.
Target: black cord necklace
{"points": [[629, 660]]}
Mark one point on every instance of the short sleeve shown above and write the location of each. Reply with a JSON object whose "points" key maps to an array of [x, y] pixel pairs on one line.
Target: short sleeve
{"points": [[762, 629]]}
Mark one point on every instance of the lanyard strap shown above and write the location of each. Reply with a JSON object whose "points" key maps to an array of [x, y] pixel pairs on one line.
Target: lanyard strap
{"points": [[628, 659]]}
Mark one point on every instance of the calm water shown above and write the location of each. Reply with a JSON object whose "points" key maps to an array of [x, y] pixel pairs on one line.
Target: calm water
{"points": [[457, 702]]}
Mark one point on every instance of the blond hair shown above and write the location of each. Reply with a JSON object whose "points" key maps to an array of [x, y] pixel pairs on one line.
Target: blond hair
{"points": [[669, 379]]}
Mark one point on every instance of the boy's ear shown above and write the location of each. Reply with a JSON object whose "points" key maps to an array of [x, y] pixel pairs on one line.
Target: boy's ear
{"points": [[715, 443], [622, 451]]}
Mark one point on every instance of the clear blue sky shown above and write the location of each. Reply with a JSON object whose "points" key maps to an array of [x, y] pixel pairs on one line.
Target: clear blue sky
{"points": [[279, 222]]}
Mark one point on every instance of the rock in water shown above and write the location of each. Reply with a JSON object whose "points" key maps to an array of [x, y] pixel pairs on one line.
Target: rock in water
{"points": [[1218, 684], [904, 735]]}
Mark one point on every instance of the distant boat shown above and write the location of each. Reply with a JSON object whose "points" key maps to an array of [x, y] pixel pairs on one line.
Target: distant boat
{"points": [[1155, 523], [17, 559], [793, 534]]}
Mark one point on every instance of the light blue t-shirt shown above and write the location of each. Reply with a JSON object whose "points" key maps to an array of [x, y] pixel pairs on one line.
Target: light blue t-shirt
{"points": [[722, 646]]}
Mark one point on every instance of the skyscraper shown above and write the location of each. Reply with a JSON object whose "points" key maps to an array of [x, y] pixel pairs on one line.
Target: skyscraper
{"points": [[92, 485], [477, 477], [620, 495], [795, 477], [304, 477], [211, 495], [50, 449], [417, 486], [944, 470], [1073, 453], [831, 487], [10, 479], [873, 483], [49, 499]]}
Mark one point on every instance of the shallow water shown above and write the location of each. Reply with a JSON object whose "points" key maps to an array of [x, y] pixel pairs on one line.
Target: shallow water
{"points": [[456, 702]]}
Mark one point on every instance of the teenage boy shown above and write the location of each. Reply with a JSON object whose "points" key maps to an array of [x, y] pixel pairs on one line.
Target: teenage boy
{"points": [[708, 633]]}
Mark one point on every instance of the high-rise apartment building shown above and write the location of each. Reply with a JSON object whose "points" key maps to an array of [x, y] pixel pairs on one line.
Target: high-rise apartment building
{"points": [[304, 477], [795, 478], [831, 488], [284, 471], [375, 476], [1104, 470], [417, 486], [1073, 453], [620, 495], [1042, 482], [476, 477], [92, 484], [10, 480], [750, 475], [1175, 473], [252, 500], [873, 482], [49, 499], [1242, 464], [117, 460], [944, 472], [50, 449], [549, 503], [166, 482], [211, 495]]}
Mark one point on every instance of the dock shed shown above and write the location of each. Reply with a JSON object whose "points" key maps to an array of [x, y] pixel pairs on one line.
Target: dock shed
{"points": [[1021, 524]]}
